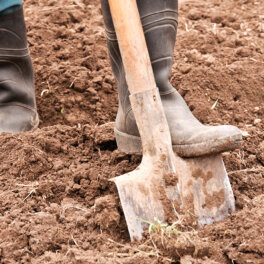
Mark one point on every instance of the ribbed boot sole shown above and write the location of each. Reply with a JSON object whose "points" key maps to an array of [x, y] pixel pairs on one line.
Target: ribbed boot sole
{"points": [[132, 145]]}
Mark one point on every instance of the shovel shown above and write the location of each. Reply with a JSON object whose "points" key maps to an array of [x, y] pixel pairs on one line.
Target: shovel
{"points": [[163, 181]]}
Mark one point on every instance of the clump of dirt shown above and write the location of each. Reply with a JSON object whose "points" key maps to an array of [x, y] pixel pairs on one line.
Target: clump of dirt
{"points": [[57, 204], [239, 236], [175, 246]]}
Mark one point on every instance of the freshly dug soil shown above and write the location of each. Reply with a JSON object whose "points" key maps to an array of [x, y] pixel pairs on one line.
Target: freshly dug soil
{"points": [[57, 204]]}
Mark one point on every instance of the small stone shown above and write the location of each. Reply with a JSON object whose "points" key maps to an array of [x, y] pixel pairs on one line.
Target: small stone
{"points": [[244, 133], [256, 121], [243, 52], [231, 18], [109, 79], [217, 17], [236, 26], [230, 43], [209, 59], [241, 42], [194, 56], [194, 14], [98, 79], [78, 85], [256, 109], [107, 87], [92, 91], [76, 187], [184, 68], [221, 36]]}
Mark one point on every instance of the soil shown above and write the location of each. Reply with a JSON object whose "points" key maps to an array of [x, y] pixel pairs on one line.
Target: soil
{"points": [[57, 203]]}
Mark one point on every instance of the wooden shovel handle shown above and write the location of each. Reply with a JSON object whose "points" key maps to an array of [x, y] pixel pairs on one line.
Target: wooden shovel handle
{"points": [[132, 44]]}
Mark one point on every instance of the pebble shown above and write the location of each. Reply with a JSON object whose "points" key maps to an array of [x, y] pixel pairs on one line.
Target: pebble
{"points": [[194, 14], [244, 133], [256, 121], [209, 59], [92, 91], [217, 17], [98, 79], [256, 109], [243, 52], [184, 68]]}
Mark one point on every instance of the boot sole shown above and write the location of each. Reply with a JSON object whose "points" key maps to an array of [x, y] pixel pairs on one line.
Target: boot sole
{"points": [[132, 145]]}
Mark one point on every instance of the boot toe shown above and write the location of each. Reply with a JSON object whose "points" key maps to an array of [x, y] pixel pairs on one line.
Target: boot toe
{"points": [[208, 140], [227, 131], [17, 119]]}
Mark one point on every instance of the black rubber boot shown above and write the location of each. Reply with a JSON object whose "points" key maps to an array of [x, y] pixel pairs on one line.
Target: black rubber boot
{"points": [[17, 94], [190, 138]]}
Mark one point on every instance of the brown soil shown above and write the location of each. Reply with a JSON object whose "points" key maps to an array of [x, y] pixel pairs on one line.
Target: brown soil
{"points": [[57, 205]]}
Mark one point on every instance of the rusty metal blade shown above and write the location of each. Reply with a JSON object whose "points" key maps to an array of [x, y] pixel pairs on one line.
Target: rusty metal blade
{"points": [[139, 195], [209, 186], [203, 179]]}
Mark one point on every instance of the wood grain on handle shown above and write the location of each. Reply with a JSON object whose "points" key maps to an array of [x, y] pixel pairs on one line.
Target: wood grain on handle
{"points": [[132, 44]]}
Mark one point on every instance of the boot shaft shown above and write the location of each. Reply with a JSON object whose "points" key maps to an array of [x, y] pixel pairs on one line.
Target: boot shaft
{"points": [[159, 20], [16, 70]]}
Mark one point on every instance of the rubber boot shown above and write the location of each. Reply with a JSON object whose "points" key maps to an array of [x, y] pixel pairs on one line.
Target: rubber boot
{"points": [[190, 138], [17, 94]]}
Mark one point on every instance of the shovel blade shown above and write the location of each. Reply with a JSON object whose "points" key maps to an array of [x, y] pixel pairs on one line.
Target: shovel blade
{"points": [[204, 191], [140, 196]]}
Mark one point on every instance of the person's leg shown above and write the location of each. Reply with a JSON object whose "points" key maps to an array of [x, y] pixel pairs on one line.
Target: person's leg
{"points": [[9, 6], [17, 93], [189, 137]]}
